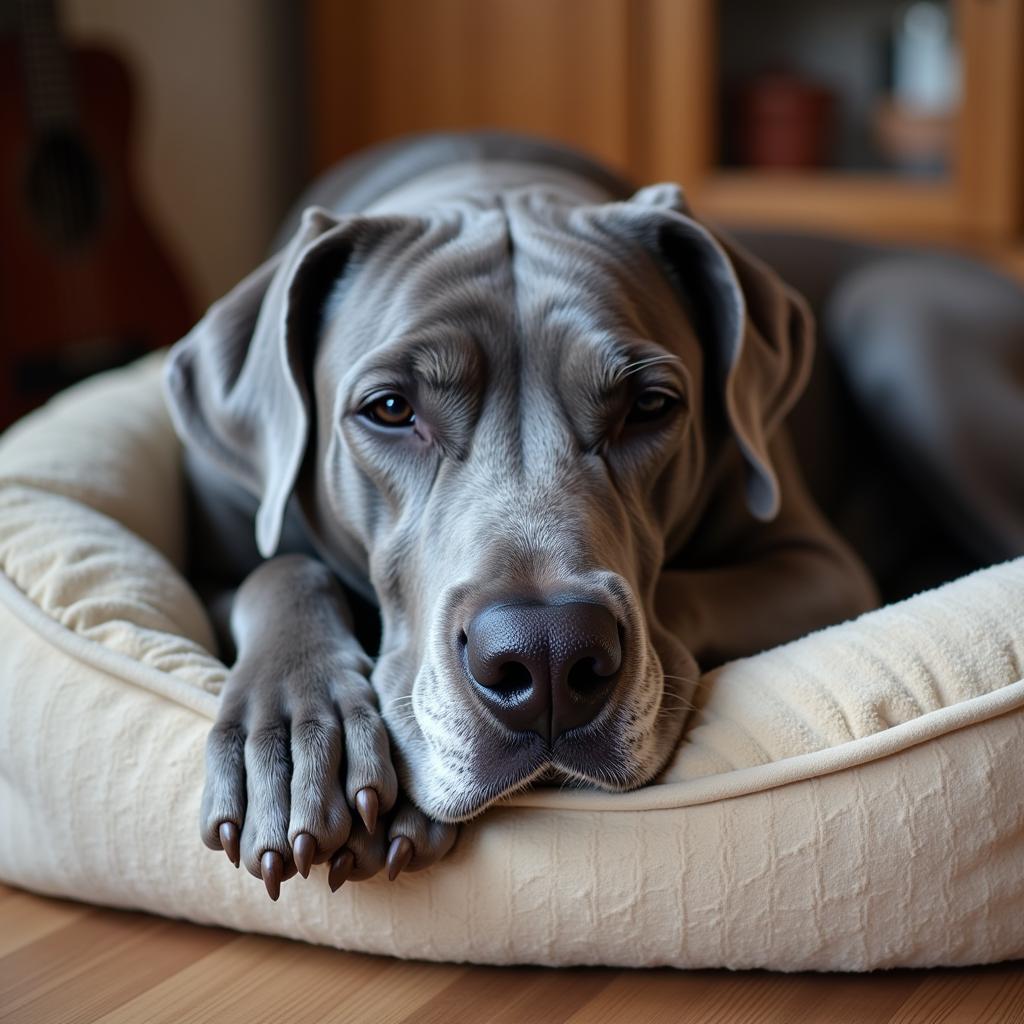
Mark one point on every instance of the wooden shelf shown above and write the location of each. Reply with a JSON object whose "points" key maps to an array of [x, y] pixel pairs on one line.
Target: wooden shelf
{"points": [[850, 203]]}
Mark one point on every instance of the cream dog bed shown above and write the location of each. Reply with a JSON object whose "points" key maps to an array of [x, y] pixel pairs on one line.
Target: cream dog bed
{"points": [[850, 801]]}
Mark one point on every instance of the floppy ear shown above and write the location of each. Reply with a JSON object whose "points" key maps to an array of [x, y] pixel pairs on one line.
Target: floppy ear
{"points": [[761, 330], [237, 383]]}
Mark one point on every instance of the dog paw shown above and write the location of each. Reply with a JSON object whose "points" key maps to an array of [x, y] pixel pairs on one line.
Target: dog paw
{"points": [[410, 842], [297, 755]]}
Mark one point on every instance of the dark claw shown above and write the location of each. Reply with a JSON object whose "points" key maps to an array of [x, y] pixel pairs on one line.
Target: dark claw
{"points": [[399, 854], [272, 870], [228, 833], [368, 806], [304, 850], [341, 868]]}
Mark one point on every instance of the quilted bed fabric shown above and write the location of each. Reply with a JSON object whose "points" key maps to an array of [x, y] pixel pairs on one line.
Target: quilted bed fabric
{"points": [[853, 800]]}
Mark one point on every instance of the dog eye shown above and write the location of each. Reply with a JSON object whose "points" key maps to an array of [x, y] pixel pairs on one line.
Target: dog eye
{"points": [[650, 405], [390, 410]]}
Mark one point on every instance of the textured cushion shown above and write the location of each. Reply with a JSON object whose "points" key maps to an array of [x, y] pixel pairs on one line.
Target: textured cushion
{"points": [[851, 800]]}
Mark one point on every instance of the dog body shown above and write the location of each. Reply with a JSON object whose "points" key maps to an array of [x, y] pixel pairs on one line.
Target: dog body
{"points": [[535, 418]]}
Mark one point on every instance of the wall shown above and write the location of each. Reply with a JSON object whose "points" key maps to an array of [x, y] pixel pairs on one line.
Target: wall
{"points": [[220, 138]]}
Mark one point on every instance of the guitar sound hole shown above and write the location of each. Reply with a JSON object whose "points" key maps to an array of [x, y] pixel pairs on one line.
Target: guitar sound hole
{"points": [[64, 191]]}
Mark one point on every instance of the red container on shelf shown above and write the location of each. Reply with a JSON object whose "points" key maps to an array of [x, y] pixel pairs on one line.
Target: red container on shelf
{"points": [[784, 121]]}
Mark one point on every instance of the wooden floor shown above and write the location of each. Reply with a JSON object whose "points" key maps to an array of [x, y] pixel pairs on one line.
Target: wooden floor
{"points": [[66, 962]]}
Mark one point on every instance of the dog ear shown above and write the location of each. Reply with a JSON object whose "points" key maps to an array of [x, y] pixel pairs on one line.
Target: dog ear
{"points": [[237, 383], [762, 330]]}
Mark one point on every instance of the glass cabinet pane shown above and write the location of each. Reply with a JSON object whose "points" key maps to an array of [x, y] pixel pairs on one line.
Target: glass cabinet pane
{"points": [[871, 86]]}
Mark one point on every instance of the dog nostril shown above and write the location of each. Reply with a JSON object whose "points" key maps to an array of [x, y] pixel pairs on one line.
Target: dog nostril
{"points": [[513, 677], [463, 639], [584, 679], [546, 669]]}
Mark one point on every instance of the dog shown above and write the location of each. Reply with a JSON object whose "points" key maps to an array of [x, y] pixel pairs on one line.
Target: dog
{"points": [[535, 418]]}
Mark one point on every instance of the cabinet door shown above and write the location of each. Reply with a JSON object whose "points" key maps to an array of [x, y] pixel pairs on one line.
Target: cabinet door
{"points": [[555, 68]]}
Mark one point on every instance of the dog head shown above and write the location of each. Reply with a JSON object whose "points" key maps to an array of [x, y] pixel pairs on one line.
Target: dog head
{"points": [[497, 421]]}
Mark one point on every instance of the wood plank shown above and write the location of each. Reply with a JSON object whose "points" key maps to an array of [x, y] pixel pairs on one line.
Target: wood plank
{"points": [[554, 995], [25, 918], [95, 964], [256, 978], [513, 995], [996, 998], [840, 998], [654, 997], [982, 996]]}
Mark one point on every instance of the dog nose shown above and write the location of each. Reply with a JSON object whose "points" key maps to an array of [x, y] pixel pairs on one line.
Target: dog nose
{"points": [[544, 668]]}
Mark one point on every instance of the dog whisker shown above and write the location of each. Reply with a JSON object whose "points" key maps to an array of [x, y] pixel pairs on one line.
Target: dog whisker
{"points": [[682, 706], [670, 713], [696, 681], [641, 364]]}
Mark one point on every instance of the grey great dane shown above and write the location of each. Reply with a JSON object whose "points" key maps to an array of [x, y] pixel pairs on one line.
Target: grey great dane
{"points": [[535, 418]]}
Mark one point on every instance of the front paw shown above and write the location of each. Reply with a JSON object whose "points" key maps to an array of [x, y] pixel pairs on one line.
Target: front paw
{"points": [[297, 749], [410, 842]]}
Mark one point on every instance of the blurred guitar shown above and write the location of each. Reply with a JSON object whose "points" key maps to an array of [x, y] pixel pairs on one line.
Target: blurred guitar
{"points": [[84, 283]]}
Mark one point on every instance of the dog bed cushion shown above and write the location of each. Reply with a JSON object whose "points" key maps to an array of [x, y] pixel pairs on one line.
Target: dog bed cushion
{"points": [[849, 801]]}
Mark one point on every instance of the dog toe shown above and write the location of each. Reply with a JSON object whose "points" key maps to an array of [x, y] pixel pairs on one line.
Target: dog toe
{"points": [[341, 867], [320, 820], [268, 783], [368, 805], [272, 870], [368, 767], [304, 849], [368, 853], [400, 852], [229, 840], [223, 805], [416, 841]]}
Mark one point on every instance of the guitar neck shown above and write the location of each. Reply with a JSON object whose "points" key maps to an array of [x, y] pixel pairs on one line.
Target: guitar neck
{"points": [[47, 68]]}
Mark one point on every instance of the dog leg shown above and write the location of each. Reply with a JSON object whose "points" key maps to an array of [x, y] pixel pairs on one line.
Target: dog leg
{"points": [[298, 744]]}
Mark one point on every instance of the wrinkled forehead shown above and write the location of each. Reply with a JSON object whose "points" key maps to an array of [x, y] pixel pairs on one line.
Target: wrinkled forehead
{"points": [[590, 296], [528, 282]]}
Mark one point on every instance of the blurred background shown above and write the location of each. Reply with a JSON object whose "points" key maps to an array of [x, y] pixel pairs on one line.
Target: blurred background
{"points": [[149, 150]]}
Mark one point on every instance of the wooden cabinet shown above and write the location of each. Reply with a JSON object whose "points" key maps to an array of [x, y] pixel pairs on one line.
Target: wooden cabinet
{"points": [[637, 83], [557, 68], [980, 200]]}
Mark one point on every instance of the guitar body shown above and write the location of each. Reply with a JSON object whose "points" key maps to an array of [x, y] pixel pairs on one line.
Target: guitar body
{"points": [[84, 283]]}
